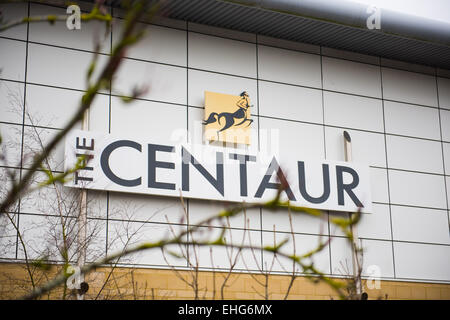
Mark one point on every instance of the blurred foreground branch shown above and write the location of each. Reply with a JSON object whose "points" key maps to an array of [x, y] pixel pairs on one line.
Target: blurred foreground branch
{"points": [[129, 36], [308, 269]]}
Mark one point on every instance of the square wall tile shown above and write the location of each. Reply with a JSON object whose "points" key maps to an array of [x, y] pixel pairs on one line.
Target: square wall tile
{"points": [[444, 92], [290, 102], [422, 261], [36, 233], [343, 110], [248, 220], [58, 34], [8, 176], [12, 57], [289, 66], [417, 189], [200, 210], [410, 120], [11, 145], [222, 55], [159, 44], [162, 83], [351, 77], [54, 107], [447, 181], [11, 101], [446, 148], [377, 255], [301, 222], [60, 67], [126, 234], [291, 140], [34, 140], [8, 238], [303, 244], [11, 12], [195, 125], [53, 199], [414, 154], [376, 225], [379, 185], [410, 87], [99, 114], [421, 225], [200, 81], [43, 237], [96, 243], [50, 107], [367, 147], [445, 125], [224, 257], [145, 208], [336, 230], [217, 258], [97, 204], [149, 119], [341, 256]]}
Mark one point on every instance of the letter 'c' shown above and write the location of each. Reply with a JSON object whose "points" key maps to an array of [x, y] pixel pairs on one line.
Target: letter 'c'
{"points": [[104, 162]]}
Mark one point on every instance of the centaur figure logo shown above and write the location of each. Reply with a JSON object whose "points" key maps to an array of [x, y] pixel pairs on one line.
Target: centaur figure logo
{"points": [[227, 117]]}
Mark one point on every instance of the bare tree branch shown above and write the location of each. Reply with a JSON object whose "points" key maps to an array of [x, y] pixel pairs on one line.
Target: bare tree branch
{"points": [[309, 270], [128, 37]]}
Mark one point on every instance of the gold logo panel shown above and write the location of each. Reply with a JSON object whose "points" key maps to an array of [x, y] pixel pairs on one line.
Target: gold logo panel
{"points": [[227, 117]]}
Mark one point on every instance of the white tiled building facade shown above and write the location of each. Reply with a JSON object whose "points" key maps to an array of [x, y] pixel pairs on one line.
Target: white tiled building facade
{"points": [[398, 116]]}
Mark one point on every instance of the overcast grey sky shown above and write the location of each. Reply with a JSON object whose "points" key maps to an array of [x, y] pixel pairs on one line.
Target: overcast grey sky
{"points": [[435, 9]]}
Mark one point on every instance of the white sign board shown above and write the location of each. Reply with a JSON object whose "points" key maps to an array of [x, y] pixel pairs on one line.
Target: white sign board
{"points": [[127, 164]]}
